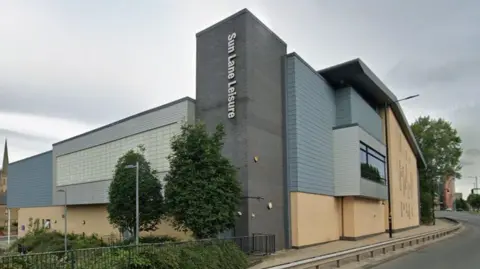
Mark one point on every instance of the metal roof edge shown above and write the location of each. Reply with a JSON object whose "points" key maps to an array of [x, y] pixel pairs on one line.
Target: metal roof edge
{"points": [[184, 99]]}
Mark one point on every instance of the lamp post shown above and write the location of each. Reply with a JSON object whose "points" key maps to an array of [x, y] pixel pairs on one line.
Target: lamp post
{"points": [[435, 189], [387, 105], [137, 207], [65, 240], [476, 180]]}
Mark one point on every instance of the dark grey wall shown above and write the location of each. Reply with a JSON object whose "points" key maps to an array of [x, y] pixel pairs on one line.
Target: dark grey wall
{"points": [[310, 118], [257, 129], [30, 182]]}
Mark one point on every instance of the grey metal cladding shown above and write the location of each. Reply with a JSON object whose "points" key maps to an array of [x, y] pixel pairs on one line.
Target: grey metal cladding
{"points": [[352, 108], [343, 106], [176, 111], [310, 118], [372, 189], [347, 161], [291, 123], [257, 127], [148, 121], [265, 127], [366, 116], [30, 182], [211, 98], [86, 193], [348, 181]]}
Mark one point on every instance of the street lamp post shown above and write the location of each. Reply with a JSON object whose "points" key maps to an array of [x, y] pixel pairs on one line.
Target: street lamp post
{"points": [[137, 206], [387, 105], [435, 188], [65, 239], [476, 180]]}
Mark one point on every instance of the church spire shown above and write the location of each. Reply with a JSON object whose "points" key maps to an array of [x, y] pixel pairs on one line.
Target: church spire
{"points": [[5, 160]]}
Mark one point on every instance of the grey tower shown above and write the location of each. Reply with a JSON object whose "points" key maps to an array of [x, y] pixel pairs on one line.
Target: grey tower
{"points": [[240, 84]]}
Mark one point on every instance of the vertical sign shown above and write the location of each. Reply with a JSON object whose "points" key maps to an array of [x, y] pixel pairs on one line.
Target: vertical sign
{"points": [[232, 81]]}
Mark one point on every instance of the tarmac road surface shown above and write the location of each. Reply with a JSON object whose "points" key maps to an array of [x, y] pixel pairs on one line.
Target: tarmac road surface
{"points": [[462, 251]]}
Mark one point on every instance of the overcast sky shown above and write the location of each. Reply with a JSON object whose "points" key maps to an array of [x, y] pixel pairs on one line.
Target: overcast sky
{"points": [[69, 66]]}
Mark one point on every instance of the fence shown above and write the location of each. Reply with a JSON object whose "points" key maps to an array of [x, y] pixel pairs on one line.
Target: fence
{"points": [[99, 258]]}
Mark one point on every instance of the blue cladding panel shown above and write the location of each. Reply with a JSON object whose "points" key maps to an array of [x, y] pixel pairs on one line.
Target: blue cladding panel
{"points": [[30, 182], [310, 118], [352, 108], [366, 116]]}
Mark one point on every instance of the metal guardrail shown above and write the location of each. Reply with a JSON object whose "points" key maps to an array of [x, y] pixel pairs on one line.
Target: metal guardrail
{"points": [[369, 251]]}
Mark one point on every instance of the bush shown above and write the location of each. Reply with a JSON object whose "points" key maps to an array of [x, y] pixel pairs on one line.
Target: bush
{"points": [[215, 254], [39, 241], [151, 239], [426, 208], [212, 255], [24, 262]]}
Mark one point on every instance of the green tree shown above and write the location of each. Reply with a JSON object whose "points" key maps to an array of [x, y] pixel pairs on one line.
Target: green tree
{"points": [[461, 204], [202, 193], [474, 201], [122, 195], [441, 148]]}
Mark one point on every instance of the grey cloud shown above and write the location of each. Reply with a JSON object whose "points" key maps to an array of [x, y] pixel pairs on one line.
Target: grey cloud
{"points": [[21, 145], [24, 136], [419, 74], [427, 47], [77, 104], [466, 163], [472, 152]]}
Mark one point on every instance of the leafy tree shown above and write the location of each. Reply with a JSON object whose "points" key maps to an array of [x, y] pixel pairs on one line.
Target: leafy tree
{"points": [[441, 148], [461, 204], [474, 201], [202, 193], [122, 194]]}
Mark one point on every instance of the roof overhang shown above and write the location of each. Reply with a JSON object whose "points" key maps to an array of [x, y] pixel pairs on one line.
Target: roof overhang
{"points": [[355, 73]]}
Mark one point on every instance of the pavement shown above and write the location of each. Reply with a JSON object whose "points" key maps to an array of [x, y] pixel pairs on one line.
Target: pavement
{"points": [[294, 255], [459, 251]]}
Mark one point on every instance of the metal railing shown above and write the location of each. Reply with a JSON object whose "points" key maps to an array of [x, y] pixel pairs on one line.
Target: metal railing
{"points": [[99, 258], [356, 254]]}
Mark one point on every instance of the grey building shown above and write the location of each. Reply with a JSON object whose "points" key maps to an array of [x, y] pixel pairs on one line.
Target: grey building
{"points": [[309, 144], [318, 135]]}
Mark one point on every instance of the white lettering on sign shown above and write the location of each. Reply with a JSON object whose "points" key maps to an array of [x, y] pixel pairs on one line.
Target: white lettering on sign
{"points": [[232, 81]]}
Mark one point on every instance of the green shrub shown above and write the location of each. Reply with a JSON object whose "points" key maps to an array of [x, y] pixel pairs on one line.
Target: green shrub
{"points": [[192, 255], [212, 255], [151, 239], [40, 241], [32, 262]]}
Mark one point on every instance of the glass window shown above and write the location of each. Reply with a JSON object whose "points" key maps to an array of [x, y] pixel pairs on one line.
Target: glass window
{"points": [[376, 154], [363, 156], [380, 165], [372, 164]]}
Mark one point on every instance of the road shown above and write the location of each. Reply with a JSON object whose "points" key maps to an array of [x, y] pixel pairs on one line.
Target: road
{"points": [[460, 251]]}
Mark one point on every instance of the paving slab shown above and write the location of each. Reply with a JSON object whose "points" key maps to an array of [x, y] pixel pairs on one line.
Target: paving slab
{"points": [[292, 255]]}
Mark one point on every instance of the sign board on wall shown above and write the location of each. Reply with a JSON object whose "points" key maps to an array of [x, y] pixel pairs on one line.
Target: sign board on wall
{"points": [[232, 81]]}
